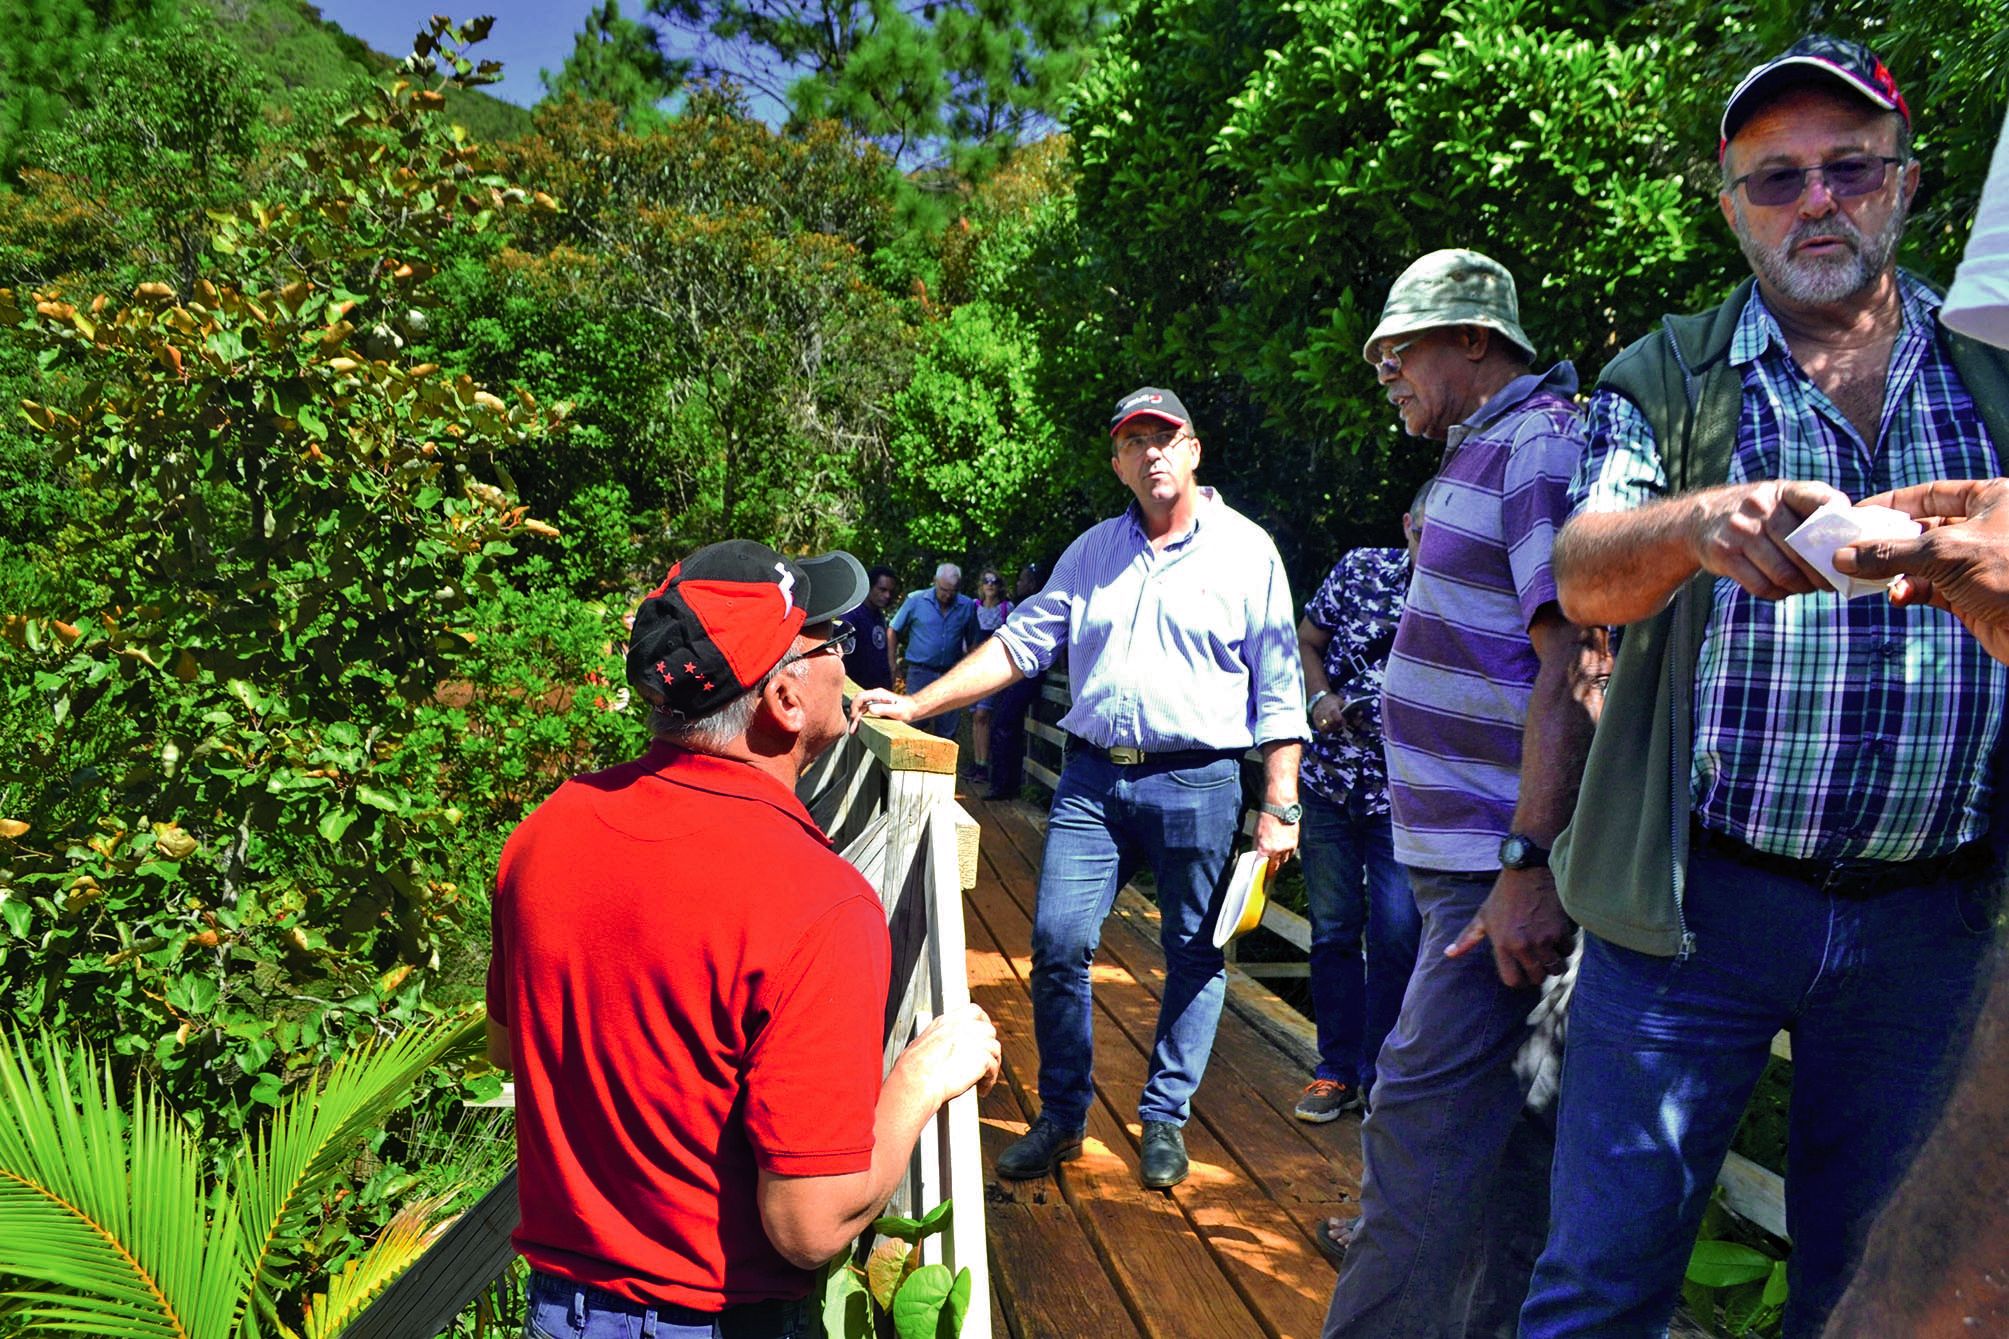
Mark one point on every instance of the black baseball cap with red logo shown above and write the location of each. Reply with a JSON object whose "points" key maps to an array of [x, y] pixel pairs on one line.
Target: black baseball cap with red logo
{"points": [[1149, 400], [726, 615], [1816, 59]]}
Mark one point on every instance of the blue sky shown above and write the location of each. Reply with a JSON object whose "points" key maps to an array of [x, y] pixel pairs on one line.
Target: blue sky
{"points": [[529, 34]]}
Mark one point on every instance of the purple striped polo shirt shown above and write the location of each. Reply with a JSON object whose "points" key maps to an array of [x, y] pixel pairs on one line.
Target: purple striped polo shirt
{"points": [[1456, 695]]}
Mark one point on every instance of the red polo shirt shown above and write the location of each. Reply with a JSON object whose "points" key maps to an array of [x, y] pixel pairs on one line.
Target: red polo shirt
{"points": [[695, 988]]}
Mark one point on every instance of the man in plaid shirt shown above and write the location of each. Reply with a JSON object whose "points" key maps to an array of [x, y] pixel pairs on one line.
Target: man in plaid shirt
{"points": [[1836, 795]]}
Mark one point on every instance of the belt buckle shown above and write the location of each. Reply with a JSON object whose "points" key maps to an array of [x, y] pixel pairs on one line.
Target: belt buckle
{"points": [[1124, 756]]}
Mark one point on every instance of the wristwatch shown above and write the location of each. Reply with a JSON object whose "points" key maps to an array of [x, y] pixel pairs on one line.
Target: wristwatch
{"points": [[1283, 813], [1518, 852], [1316, 698]]}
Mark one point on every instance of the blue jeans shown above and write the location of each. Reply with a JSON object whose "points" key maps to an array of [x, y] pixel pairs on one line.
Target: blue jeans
{"points": [[562, 1309], [1106, 820], [1455, 1152], [919, 677], [1008, 736], [1663, 1054], [1353, 883]]}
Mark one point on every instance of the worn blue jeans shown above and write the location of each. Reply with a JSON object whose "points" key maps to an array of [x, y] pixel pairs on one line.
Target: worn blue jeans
{"points": [[1663, 1054], [1106, 821], [919, 677], [1354, 885], [1455, 1152], [562, 1309]]}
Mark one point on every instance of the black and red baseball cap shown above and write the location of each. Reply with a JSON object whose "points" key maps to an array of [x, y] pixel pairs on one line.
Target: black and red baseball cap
{"points": [[1149, 400], [726, 615], [1818, 59]]}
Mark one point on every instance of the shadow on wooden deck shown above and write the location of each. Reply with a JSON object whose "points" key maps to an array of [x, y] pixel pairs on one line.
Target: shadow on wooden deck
{"points": [[1089, 1252]]}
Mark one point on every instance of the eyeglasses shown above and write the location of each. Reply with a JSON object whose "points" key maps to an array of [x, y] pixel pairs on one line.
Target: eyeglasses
{"points": [[1859, 174], [1149, 441], [841, 644], [1390, 363]]}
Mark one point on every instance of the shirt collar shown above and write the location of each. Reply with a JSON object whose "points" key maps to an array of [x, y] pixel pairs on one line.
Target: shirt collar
{"points": [[726, 777], [1208, 500], [1758, 330], [1560, 379]]}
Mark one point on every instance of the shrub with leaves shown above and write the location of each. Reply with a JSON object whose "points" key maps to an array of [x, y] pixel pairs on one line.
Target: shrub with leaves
{"points": [[113, 1220], [216, 858], [921, 1301]]}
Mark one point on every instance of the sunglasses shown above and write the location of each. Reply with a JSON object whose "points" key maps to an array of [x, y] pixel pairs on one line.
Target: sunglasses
{"points": [[841, 644], [1390, 363], [1148, 441], [1858, 174]]}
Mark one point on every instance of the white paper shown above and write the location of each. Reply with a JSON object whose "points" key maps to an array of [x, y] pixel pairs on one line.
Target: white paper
{"points": [[1240, 883], [1836, 526]]}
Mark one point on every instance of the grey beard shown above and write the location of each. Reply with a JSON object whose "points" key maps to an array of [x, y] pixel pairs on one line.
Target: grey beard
{"points": [[1818, 281]]}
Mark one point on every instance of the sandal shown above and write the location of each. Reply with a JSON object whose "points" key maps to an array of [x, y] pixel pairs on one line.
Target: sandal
{"points": [[1334, 1245]]}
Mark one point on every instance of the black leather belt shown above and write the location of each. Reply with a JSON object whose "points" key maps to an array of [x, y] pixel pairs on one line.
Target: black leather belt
{"points": [[1124, 756], [1848, 878]]}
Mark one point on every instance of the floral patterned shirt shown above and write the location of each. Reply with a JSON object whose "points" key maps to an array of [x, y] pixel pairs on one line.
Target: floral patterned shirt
{"points": [[1359, 603]]}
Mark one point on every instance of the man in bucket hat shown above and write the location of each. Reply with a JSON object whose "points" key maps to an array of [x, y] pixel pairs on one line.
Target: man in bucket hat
{"points": [[1795, 787], [1181, 643], [690, 986], [1487, 708]]}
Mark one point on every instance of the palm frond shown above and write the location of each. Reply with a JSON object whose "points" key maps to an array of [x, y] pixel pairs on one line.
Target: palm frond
{"points": [[404, 1239], [315, 1131], [106, 1208]]}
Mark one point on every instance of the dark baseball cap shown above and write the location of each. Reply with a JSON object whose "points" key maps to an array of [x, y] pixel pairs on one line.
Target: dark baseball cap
{"points": [[1149, 400], [1816, 58], [726, 615]]}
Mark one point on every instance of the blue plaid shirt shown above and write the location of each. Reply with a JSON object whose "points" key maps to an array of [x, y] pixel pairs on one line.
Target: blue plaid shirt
{"points": [[1826, 728]]}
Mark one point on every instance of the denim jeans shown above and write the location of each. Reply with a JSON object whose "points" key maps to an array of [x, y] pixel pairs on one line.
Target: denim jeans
{"points": [[1353, 883], [919, 677], [1014, 700], [1455, 1156], [562, 1309], [1105, 821], [1664, 1052]]}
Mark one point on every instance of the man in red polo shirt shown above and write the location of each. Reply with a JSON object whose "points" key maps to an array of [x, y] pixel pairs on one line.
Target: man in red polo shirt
{"points": [[690, 985]]}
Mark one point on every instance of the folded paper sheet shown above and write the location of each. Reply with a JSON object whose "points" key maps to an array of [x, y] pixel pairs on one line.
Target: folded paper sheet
{"points": [[1838, 525]]}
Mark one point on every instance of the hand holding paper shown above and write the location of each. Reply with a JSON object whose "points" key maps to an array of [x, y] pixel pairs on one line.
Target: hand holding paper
{"points": [[1837, 525]]}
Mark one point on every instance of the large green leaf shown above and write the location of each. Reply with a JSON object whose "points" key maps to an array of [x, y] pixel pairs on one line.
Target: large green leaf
{"points": [[1725, 1264], [103, 1212], [315, 1132]]}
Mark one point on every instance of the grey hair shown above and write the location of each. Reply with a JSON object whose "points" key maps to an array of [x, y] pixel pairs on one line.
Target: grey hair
{"points": [[949, 570], [715, 733]]}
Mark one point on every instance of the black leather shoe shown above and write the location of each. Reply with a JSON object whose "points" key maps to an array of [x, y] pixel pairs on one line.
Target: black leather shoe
{"points": [[1043, 1147], [1163, 1162]]}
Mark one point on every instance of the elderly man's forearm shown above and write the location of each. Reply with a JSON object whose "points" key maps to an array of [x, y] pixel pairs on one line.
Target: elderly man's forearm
{"points": [[1617, 567]]}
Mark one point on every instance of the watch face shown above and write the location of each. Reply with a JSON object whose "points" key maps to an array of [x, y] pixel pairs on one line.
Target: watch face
{"points": [[1517, 852]]}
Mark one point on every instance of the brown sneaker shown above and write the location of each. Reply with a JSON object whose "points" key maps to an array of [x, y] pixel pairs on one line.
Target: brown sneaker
{"points": [[1324, 1099]]}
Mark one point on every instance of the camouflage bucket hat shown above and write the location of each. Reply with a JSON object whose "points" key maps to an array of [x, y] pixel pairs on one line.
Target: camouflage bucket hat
{"points": [[1447, 288]]}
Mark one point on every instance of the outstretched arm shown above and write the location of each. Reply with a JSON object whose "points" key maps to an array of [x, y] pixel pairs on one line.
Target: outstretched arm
{"points": [[1617, 567]]}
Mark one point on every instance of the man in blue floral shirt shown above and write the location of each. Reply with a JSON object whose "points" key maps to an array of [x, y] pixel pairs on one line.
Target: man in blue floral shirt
{"points": [[1352, 879]]}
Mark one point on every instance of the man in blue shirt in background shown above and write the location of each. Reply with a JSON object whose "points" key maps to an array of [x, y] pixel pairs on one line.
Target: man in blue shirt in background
{"points": [[869, 662], [937, 626], [1181, 644]]}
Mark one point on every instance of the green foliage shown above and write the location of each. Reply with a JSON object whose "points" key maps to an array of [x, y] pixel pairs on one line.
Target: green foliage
{"points": [[706, 298], [47, 49], [952, 85], [921, 1301], [219, 860], [1735, 1285], [113, 1222], [972, 461], [621, 61]]}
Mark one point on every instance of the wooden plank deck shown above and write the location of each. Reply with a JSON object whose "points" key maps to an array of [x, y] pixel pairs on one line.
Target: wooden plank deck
{"points": [[1088, 1251]]}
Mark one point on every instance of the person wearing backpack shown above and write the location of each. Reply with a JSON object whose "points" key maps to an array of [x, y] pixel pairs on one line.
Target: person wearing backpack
{"points": [[1786, 817]]}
